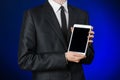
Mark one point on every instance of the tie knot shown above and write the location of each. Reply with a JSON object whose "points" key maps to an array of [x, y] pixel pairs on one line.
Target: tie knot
{"points": [[62, 8]]}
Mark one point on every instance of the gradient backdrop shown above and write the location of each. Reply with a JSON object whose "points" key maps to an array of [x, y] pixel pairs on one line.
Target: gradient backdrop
{"points": [[104, 16]]}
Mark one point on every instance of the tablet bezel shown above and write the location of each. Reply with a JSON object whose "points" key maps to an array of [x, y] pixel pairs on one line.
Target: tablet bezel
{"points": [[80, 26]]}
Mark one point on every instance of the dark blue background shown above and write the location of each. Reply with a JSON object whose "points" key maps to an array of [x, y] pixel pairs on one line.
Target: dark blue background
{"points": [[104, 16]]}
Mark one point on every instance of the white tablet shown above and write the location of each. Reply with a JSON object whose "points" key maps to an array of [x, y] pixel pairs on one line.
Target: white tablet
{"points": [[79, 38]]}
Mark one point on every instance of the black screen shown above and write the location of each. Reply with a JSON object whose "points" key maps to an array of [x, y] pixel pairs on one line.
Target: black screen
{"points": [[79, 39]]}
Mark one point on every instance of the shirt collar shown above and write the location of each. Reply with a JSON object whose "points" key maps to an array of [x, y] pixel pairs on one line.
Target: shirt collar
{"points": [[57, 6]]}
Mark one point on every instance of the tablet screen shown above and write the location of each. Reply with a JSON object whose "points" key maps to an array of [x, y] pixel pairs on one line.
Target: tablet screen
{"points": [[79, 39]]}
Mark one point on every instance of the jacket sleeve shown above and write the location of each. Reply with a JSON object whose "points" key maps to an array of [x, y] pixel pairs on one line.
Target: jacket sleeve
{"points": [[89, 55], [28, 58]]}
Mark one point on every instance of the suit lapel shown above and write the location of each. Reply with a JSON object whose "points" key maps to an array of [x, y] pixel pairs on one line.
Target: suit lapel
{"points": [[70, 23], [52, 19], [70, 17]]}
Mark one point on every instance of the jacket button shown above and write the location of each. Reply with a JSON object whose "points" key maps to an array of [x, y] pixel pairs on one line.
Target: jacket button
{"points": [[68, 76]]}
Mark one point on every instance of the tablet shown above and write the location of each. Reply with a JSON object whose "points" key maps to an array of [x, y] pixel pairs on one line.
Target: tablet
{"points": [[79, 38]]}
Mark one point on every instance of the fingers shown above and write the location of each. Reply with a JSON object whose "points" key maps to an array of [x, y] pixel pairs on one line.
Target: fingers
{"points": [[78, 58], [78, 54], [72, 29], [90, 41], [91, 36], [91, 32], [74, 56], [91, 28]]}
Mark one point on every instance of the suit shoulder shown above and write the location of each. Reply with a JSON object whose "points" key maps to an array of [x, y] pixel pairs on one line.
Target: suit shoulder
{"points": [[78, 10], [36, 9]]}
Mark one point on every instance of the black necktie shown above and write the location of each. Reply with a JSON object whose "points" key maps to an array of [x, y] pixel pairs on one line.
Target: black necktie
{"points": [[64, 23]]}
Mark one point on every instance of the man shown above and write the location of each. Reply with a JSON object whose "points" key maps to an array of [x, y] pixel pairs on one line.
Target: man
{"points": [[44, 40]]}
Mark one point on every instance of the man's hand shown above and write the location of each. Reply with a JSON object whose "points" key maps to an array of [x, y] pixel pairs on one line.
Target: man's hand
{"points": [[91, 36], [74, 56]]}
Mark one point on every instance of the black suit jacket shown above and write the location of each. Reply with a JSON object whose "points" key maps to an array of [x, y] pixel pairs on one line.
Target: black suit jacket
{"points": [[42, 45]]}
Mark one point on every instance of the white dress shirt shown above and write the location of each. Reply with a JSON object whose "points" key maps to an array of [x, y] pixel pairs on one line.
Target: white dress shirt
{"points": [[57, 10]]}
